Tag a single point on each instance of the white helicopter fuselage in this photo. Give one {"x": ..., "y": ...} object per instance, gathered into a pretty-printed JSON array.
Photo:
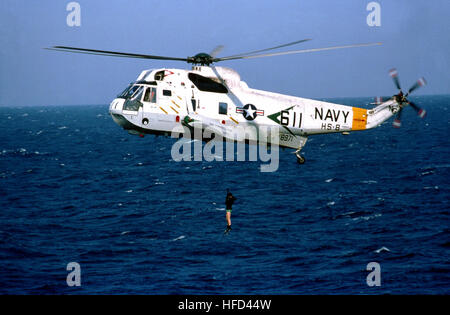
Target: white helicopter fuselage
[{"x": 162, "y": 100}]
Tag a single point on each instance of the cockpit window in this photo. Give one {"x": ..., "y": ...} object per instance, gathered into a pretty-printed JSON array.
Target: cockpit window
[
  {"x": 128, "y": 91},
  {"x": 137, "y": 93},
  {"x": 133, "y": 103},
  {"x": 206, "y": 84}
]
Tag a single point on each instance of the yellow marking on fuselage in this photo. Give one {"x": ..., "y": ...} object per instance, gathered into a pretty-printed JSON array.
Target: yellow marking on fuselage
[
  {"x": 234, "y": 120},
  {"x": 173, "y": 109},
  {"x": 163, "y": 110},
  {"x": 359, "y": 118},
  {"x": 175, "y": 104}
]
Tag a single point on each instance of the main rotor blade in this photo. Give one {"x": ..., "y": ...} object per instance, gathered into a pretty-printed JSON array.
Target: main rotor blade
[
  {"x": 111, "y": 53},
  {"x": 267, "y": 49},
  {"x": 419, "y": 83},
  {"x": 394, "y": 74},
  {"x": 294, "y": 52},
  {"x": 216, "y": 51}
]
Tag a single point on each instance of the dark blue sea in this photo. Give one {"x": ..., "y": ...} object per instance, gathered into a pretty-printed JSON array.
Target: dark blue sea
[{"x": 75, "y": 187}]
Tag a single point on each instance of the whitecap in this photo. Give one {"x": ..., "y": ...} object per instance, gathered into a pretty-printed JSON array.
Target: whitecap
[
  {"x": 128, "y": 191},
  {"x": 382, "y": 249},
  {"x": 179, "y": 238},
  {"x": 329, "y": 180},
  {"x": 63, "y": 127},
  {"x": 39, "y": 132},
  {"x": 369, "y": 182},
  {"x": 331, "y": 203},
  {"x": 367, "y": 218},
  {"x": 125, "y": 232}
]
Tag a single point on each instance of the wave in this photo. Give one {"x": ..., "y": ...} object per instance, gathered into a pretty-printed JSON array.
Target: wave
[{"x": 22, "y": 152}]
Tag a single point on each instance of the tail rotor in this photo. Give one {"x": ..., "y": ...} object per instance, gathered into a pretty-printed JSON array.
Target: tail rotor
[{"x": 402, "y": 100}]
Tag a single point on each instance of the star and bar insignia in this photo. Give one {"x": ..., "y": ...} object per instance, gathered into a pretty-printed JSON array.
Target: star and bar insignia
[{"x": 249, "y": 111}]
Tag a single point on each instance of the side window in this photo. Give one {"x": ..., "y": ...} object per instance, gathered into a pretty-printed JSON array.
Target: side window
[
  {"x": 194, "y": 104},
  {"x": 167, "y": 92},
  {"x": 153, "y": 95},
  {"x": 150, "y": 95},
  {"x": 147, "y": 95},
  {"x": 159, "y": 76},
  {"x": 223, "y": 108}
]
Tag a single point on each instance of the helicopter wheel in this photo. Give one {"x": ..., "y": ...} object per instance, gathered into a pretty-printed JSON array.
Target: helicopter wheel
[{"x": 300, "y": 159}]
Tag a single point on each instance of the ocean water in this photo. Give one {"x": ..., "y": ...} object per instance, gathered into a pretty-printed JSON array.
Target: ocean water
[{"x": 75, "y": 187}]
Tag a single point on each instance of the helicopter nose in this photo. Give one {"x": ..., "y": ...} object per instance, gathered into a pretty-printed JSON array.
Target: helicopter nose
[
  {"x": 115, "y": 110},
  {"x": 116, "y": 106}
]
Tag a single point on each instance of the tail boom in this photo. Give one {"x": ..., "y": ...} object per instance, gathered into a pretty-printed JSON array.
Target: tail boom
[{"x": 376, "y": 116}]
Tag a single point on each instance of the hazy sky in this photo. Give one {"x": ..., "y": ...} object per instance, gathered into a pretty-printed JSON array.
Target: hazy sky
[{"x": 415, "y": 36}]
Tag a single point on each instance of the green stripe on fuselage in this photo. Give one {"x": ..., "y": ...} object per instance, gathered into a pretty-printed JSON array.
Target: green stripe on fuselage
[{"x": 275, "y": 116}]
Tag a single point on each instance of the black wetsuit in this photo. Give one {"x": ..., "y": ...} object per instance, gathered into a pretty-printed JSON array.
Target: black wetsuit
[{"x": 229, "y": 201}]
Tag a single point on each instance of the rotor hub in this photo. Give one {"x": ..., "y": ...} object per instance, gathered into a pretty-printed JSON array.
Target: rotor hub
[{"x": 202, "y": 59}]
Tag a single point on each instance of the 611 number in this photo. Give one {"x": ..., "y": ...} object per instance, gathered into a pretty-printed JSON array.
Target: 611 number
[{"x": 284, "y": 119}]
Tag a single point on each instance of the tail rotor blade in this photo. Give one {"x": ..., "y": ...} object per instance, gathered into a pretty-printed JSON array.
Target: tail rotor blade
[
  {"x": 378, "y": 100},
  {"x": 421, "y": 112},
  {"x": 381, "y": 99},
  {"x": 394, "y": 75},
  {"x": 419, "y": 83},
  {"x": 397, "y": 122}
]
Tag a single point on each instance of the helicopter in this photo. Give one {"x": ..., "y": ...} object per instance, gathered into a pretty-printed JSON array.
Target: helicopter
[{"x": 209, "y": 96}]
